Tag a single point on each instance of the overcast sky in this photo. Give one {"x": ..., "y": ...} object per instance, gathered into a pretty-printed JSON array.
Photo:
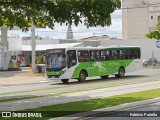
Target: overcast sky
[{"x": 59, "y": 32}]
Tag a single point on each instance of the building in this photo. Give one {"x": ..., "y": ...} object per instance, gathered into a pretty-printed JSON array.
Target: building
[
  {"x": 22, "y": 46},
  {"x": 95, "y": 41},
  {"x": 138, "y": 17}
]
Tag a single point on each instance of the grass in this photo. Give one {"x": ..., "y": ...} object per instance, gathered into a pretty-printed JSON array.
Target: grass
[{"x": 88, "y": 105}]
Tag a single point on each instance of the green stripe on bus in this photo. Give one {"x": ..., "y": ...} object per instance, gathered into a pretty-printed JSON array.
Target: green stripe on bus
[{"x": 101, "y": 68}]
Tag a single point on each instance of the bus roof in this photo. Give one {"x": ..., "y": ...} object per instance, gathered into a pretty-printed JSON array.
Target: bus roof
[
  {"x": 97, "y": 48},
  {"x": 100, "y": 47}
]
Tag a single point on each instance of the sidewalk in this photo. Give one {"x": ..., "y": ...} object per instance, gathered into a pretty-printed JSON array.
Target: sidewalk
[{"x": 8, "y": 78}]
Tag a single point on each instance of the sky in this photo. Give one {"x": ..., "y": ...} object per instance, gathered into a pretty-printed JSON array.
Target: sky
[{"x": 79, "y": 32}]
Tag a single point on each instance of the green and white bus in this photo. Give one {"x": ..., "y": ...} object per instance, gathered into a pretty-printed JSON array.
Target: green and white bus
[{"x": 81, "y": 62}]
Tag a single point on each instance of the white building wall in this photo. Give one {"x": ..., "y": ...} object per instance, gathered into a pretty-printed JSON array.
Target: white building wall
[
  {"x": 154, "y": 11},
  {"x": 136, "y": 17},
  {"x": 14, "y": 44},
  {"x": 41, "y": 41}
]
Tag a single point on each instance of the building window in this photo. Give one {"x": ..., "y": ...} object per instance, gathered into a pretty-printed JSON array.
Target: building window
[
  {"x": 158, "y": 17},
  {"x": 151, "y": 17}
]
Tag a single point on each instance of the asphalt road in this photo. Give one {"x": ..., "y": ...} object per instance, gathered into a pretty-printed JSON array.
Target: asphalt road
[
  {"x": 90, "y": 89},
  {"x": 74, "y": 91},
  {"x": 40, "y": 82},
  {"x": 148, "y": 112}
]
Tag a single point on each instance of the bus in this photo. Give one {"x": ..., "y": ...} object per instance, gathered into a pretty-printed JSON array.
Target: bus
[{"x": 81, "y": 62}]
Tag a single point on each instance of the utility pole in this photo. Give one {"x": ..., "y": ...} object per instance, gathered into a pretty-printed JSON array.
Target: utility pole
[
  {"x": 33, "y": 47},
  {"x": 4, "y": 38}
]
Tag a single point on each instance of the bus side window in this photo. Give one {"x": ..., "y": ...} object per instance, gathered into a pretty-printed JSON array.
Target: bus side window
[
  {"x": 123, "y": 54},
  {"x": 132, "y": 55},
  {"x": 114, "y": 55},
  {"x": 107, "y": 56},
  {"x": 104, "y": 55},
  {"x": 94, "y": 55},
  {"x": 83, "y": 56}
]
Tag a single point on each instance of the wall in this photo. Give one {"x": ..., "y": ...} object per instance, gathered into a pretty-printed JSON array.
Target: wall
[
  {"x": 14, "y": 44},
  {"x": 135, "y": 14},
  {"x": 136, "y": 17}
]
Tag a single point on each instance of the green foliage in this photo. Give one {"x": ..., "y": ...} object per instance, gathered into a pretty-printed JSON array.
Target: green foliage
[
  {"x": 40, "y": 60},
  {"x": 154, "y": 34},
  {"x": 48, "y": 12}
]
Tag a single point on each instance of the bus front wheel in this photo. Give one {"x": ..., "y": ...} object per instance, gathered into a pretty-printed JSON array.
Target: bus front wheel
[
  {"x": 82, "y": 76},
  {"x": 49, "y": 76},
  {"x": 121, "y": 73},
  {"x": 65, "y": 81}
]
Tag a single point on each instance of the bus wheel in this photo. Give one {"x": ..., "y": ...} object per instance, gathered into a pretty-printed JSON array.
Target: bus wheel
[
  {"x": 65, "y": 81},
  {"x": 104, "y": 77},
  {"x": 121, "y": 73},
  {"x": 49, "y": 76},
  {"x": 82, "y": 76}
]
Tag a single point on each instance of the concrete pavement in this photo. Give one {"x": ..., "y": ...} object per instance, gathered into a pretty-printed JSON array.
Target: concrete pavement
[{"x": 9, "y": 78}]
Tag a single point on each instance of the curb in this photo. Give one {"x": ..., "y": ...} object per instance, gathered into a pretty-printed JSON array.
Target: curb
[
  {"x": 30, "y": 74},
  {"x": 91, "y": 114}
]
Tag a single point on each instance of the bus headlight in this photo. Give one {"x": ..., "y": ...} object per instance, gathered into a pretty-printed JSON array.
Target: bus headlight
[{"x": 63, "y": 72}]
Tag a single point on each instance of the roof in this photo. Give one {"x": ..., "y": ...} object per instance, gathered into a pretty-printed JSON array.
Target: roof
[
  {"x": 101, "y": 47},
  {"x": 49, "y": 46}
]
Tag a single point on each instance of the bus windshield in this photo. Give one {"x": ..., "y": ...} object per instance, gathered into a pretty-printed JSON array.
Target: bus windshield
[{"x": 56, "y": 61}]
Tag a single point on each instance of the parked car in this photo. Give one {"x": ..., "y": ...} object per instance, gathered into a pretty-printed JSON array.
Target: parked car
[{"x": 150, "y": 61}]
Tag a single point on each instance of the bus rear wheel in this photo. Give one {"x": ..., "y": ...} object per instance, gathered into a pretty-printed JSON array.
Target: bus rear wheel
[
  {"x": 104, "y": 77},
  {"x": 82, "y": 76},
  {"x": 121, "y": 73},
  {"x": 65, "y": 81}
]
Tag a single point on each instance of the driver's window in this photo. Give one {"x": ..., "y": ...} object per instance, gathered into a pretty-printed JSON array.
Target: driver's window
[{"x": 71, "y": 58}]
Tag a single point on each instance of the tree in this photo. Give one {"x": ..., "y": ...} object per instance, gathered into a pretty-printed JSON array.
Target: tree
[
  {"x": 48, "y": 12},
  {"x": 154, "y": 34}
]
